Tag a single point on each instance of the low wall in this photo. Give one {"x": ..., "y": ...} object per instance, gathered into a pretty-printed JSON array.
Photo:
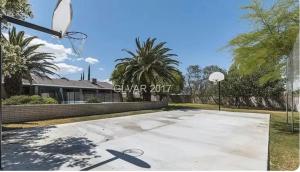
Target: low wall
[
  {"x": 180, "y": 99},
  {"x": 276, "y": 103},
  {"x": 25, "y": 113}
]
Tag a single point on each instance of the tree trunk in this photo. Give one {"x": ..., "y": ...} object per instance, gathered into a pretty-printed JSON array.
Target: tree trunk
[
  {"x": 121, "y": 97},
  {"x": 147, "y": 94},
  {"x": 129, "y": 96},
  {"x": 237, "y": 102},
  {"x": 13, "y": 85}
]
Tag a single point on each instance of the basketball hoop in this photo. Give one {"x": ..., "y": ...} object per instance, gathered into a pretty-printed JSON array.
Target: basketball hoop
[
  {"x": 61, "y": 20},
  {"x": 77, "y": 41},
  {"x": 217, "y": 77}
]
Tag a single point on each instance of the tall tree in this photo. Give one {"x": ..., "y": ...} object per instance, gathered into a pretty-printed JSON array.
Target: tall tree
[
  {"x": 193, "y": 79},
  {"x": 209, "y": 90},
  {"x": 89, "y": 73},
  {"x": 198, "y": 85},
  {"x": 21, "y": 59},
  {"x": 83, "y": 76},
  {"x": 16, "y": 8},
  {"x": 178, "y": 85},
  {"x": 118, "y": 80},
  {"x": 270, "y": 43},
  {"x": 240, "y": 89},
  {"x": 151, "y": 64}
]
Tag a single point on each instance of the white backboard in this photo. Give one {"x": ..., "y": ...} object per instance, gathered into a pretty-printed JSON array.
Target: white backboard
[
  {"x": 216, "y": 77},
  {"x": 62, "y": 16}
]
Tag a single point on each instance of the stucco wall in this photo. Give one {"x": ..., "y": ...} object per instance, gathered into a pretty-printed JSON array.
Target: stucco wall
[{"x": 25, "y": 113}]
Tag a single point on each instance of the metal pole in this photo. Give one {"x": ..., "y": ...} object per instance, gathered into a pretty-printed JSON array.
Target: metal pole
[
  {"x": 28, "y": 25},
  {"x": 32, "y": 26},
  {"x": 287, "y": 92},
  {"x": 287, "y": 107},
  {"x": 0, "y": 93},
  {"x": 219, "y": 84},
  {"x": 292, "y": 92},
  {"x": 74, "y": 96},
  {"x": 292, "y": 120}
]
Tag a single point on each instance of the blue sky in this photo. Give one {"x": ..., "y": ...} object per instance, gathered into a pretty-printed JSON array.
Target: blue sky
[{"x": 196, "y": 30}]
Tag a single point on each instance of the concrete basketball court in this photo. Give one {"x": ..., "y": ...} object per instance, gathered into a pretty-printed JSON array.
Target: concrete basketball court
[{"x": 169, "y": 140}]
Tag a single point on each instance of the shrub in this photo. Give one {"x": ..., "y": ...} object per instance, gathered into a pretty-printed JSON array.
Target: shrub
[
  {"x": 23, "y": 99},
  {"x": 49, "y": 100},
  {"x": 16, "y": 100},
  {"x": 36, "y": 100},
  {"x": 94, "y": 100}
]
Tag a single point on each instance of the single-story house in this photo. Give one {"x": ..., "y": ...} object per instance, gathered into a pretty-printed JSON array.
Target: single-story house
[{"x": 70, "y": 91}]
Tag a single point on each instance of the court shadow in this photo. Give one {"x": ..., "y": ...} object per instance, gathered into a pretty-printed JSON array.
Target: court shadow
[
  {"x": 179, "y": 108},
  {"x": 20, "y": 151},
  {"x": 120, "y": 155}
]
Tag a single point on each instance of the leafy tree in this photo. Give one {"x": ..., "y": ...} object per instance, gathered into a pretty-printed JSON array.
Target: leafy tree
[
  {"x": 209, "y": 89},
  {"x": 241, "y": 88},
  {"x": 237, "y": 89},
  {"x": 178, "y": 85},
  {"x": 198, "y": 85},
  {"x": 211, "y": 69},
  {"x": 150, "y": 64},
  {"x": 21, "y": 59},
  {"x": 117, "y": 75},
  {"x": 270, "y": 43},
  {"x": 193, "y": 79},
  {"x": 16, "y": 8},
  {"x": 118, "y": 80}
]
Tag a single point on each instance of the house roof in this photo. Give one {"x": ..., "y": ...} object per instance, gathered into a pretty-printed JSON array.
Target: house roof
[
  {"x": 105, "y": 85},
  {"x": 66, "y": 83}
]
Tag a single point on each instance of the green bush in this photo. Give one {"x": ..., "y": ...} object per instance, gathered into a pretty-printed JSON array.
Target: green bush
[
  {"x": 23, "y": 99},
  {"x": 36, "y": 100},
  {"x": 49, "y": 100},
  {"x": 94, "y": 100},
  {"x": 16, "y": 100}
]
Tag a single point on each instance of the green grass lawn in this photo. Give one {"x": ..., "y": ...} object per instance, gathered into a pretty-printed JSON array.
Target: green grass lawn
[{"x": 284, "y": 145}]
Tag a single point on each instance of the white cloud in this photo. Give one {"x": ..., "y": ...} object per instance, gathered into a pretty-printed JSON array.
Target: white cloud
[
  {"x": 107, "y": 80},
  {"x": 101, "y": 68},
  {"x": 60, "y": 52},
  {"x": 68, "y": 69},
  {"x": 91, "y": 60}
]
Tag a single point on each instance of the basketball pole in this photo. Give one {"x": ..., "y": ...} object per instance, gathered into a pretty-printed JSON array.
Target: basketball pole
[
  {"x": 1, "y": 94},
  {"x": 219, "y": 85},
  {"x": 27, "y": 25}
]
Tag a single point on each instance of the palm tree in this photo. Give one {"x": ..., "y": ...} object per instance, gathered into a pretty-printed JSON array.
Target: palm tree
[
  {"x": 151, "y": 64},
  {"x": 21, "y": 60},
  {"x": 118, "y": 80}
]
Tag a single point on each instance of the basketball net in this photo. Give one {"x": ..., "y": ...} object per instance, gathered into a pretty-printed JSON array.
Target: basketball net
[{"x": 77, "y": 41}]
